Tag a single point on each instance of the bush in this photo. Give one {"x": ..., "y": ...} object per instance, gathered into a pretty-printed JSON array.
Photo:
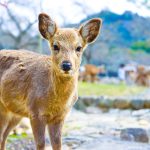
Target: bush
[{"x": 141, "y": 45}]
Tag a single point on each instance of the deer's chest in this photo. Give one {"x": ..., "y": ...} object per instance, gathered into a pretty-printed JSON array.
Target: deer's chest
[
  {"x": 56, "y": 109},
  {"x": 57, "y": 105}
]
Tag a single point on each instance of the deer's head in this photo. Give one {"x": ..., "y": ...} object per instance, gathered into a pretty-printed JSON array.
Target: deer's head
[{"x": 68, "y": 44}]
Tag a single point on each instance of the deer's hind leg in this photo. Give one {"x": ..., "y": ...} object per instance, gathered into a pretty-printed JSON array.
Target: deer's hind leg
[
  {"x": 7, "y": 122},
  {"x": 4, "y": 118},
  {"x": 11, "y": 125}
]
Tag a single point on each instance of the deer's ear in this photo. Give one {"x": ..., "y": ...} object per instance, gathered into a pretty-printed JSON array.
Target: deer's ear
[
  {"x": 90, "y": 30},
  {"x": 47, "y": 26}
]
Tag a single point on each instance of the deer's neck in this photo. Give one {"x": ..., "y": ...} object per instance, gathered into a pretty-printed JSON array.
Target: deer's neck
[{"x": 64, "y": 86}]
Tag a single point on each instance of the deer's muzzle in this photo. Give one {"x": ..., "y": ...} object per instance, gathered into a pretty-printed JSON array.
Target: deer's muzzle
[{"x": 66, "y": 66}]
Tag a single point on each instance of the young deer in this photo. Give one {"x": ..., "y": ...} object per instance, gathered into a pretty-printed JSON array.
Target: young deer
[{"x": 41, "y": 87}]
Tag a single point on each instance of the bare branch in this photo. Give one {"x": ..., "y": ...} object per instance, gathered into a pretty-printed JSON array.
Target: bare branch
[
  {"x": 9, "y": 34},
  {"x": 23, "y": 38},
  {"x": 28, "y": 27},
  {"x": 5, "y": 4},
  {"x": 13, "y": 18}
]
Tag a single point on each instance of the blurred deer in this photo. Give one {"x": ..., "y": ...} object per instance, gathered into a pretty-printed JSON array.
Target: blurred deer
[
  {"x": 90, "y": 73},
  {"x": 143, "y": 76},
  {"x": 41, "y": 87},
  {"x": 139, "y": 76}
]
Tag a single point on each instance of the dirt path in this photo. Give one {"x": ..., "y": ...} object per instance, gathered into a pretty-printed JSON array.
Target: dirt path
[{"x": 96, "y": 131}]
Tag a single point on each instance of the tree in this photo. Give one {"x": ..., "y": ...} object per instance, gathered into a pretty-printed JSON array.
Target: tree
[
  {"x": 15, "y": 28},
  {"x": 141, "y": 45}
]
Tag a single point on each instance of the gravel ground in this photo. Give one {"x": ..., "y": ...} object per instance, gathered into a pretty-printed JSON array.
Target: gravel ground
[{"x": 96, "y": 130}]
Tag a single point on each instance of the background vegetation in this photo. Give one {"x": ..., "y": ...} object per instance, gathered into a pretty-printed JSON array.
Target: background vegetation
[{"x": 90, "y": 89}]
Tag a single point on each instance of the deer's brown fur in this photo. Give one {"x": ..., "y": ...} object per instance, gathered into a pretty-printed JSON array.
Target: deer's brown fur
[
  {"x": 90, "y": 73},
  {"x": 35, "y": 86},
  {"x": 143, "y": 76}
]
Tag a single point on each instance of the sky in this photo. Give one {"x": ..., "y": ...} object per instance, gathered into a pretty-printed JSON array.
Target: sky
[
  {"x": 75, "y": 10},
  {"x": 70, "y": 11},
  {"x": 74, "y": 13}
]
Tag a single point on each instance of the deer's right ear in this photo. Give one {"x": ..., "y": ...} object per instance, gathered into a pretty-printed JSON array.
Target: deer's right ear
[{"x": 47, "y": 26}]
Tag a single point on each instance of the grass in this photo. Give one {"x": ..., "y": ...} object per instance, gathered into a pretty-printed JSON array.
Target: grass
[
  {"x": 13, "y": 137},
  {"x": 88, "y": 89}
]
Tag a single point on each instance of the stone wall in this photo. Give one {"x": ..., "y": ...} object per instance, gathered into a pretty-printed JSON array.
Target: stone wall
[{"x": 105, "y": 102}]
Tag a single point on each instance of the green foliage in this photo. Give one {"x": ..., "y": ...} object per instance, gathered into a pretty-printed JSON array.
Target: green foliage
[
  {"x": 107, "y": 89},
  {"x": 14, "y": 137},
  {"x": 141, "y": 45}
]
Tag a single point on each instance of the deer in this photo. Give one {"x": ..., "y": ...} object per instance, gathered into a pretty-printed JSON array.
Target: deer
[
  {"x": 142, "y": 77},
  {"x": 43, "y": 87},
  {"x": 90, "y": 73}
]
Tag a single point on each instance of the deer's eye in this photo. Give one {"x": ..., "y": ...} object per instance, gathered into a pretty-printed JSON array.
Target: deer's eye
[
  {"x": 55, "y": 47},
  {"x": 78, "y": 49}
]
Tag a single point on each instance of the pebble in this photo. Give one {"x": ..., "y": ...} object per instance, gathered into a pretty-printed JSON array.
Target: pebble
[{"x": 134, "y": 134}]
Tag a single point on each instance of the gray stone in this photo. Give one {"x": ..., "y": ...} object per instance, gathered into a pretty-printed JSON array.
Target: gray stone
[
  {"x": 105, "y": 103},
  {"x": 137, "y": 104},
  {"x": 79, "y": 105},
  {"x": 147, "y": 104},
  {"x": 129, "y": 102},
  {"x": 134, "y": 134},
  {"x": 88, "y": 101},
  {"x": 122, "y": 104}
]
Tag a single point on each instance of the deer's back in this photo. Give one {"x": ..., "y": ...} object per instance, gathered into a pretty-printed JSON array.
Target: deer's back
[{"x": 22, "y": 74}]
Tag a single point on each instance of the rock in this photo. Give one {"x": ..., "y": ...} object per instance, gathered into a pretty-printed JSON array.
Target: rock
[
  {"x": 137, "y": 104},
  {"x": 128, "y": 102},
  {"x": 147, "y": 104},
  {"x": 105, "y": 103},
  {"x": 88, "y": 101},
  {"x": 122, "y": 104},
  {"x": 80, "y": 105},
  {"x": 134, "y": 134}
]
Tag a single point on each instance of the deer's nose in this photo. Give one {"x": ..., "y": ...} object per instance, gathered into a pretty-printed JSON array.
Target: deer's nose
[{"x": 66, "y": 66}]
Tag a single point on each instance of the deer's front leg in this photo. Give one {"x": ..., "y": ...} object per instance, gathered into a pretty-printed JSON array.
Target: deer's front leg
[
  {"x": 55, "y": 132},
  {"x": 38, "y": 128}
]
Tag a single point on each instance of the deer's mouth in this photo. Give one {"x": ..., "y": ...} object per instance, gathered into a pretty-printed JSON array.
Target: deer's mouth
[{"x": 67, "y": 73}]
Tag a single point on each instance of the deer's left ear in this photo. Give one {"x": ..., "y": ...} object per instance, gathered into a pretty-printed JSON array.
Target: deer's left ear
[{"x": 90, "y": 30}]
